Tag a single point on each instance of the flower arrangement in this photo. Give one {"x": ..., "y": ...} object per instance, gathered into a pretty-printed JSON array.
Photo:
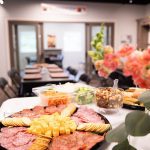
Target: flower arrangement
[{"x": 133, "y": 62}]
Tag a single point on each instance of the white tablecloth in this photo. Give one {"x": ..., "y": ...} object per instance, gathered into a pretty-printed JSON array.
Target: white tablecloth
[{"x": 17, "y": 104}]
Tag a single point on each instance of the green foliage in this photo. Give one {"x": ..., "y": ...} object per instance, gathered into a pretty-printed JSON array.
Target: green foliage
[
  {"x": 124, "y": 146},
  {"x": 137, "y": 123},
  {"x": 119, "y": 134},
  {"x": 145, "y": 98},
  {"x": 97, "y": 44}
]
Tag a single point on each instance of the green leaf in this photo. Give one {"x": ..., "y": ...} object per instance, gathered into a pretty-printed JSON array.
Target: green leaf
[
  {"x": 118, "y": 134},
  {"x": 137, "y": 123},
  {"x": 145, "y": 98},
  {"x": 124, "y": 146}
]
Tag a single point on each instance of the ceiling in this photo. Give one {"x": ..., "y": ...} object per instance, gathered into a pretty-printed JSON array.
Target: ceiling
[{"x": 139, "y": 2}]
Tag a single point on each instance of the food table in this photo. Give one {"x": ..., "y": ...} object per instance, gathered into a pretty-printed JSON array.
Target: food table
[
  {"x": 17, "y": 104},
  {"x": 34, "y": 77}
]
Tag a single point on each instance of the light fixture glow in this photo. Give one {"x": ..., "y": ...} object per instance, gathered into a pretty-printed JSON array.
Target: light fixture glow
[
  {"x": 1, "y": 2},
  {"x": 130, "y": 1}
]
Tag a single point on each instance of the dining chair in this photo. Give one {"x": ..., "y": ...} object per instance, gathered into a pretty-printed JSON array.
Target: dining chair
[
  {"x": 6, "y": 88},
  {"x": 72, "y": 71},
  {"x": 85, "y": 78},
  {"x": 3, "y": 96},
  {"x": 15, "y": 77}
]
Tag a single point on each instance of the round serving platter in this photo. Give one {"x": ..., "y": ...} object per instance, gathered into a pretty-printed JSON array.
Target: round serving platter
[
  {"x": 95, "y": 147},
  {"x": 134, "y": 107}
]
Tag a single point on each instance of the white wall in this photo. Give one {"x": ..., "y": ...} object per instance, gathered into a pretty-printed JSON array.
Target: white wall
[
  {"x": 124, "y": 17},
  {"x": 4, "y": 55}
]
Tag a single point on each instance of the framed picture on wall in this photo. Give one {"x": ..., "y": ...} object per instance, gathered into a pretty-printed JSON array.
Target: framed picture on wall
[{"x": 51, "y": 41}]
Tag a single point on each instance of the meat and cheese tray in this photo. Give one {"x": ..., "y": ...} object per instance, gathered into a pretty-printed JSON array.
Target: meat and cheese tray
[{"x": 55, "y": 127}]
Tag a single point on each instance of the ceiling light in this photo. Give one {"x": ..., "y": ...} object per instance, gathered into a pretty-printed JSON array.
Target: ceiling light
[
  {"x": 1, "y": 2},
  {"x": 130, "y": 1}
]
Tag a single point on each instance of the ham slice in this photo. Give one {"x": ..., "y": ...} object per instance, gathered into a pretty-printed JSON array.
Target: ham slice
[
  {"x": 15, "y": 138},
  {"x": 37, "y": 111},
  {"x": 86, "y": 115}
]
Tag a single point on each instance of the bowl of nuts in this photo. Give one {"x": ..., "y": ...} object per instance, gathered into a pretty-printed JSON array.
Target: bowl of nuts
[{"x": 109, "y": 98}]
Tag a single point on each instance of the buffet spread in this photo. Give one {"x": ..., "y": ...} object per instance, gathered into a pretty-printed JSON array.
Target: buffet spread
[{"x": 64, "y": 122}]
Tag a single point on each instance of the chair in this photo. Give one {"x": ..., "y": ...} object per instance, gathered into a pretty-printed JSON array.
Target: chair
[
  {"x": 31, "y": 60},
  {"x": 6, "y": 88},
  {"x": 3, "y": 97},
  {"x": 85, "y": 78},
  {"x": 16, "y": 80},
  {"x": 15, "y": 77},
  {"x": 72, "y": 71},
  {"x": 55, "y": 59}
]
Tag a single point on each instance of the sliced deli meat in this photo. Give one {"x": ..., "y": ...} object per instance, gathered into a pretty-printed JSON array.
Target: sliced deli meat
[
  {"x": 37, "y": 111},
  {"x": 22, "y": 138},
  {"x": 75, "y": 141},
  {"x": 16, "y": 138},
  {"x": 9, "y": 132},
  {"x": 86, "y": 115}
]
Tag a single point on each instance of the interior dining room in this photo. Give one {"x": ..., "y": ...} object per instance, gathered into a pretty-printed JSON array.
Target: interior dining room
[{"x": 74, "y": 74}]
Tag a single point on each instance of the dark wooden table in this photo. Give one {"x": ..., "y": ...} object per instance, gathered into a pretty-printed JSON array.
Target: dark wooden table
[{"x": 27, "y": 85}]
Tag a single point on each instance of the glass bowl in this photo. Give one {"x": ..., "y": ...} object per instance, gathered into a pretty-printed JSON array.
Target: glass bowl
[{"x": 109, "y": 98}]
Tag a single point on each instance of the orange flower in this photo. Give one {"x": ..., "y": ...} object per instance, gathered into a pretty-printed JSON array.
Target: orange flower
[
  {"x": 125, "y": 51},
  {"x": 111, "y": 61},
  {"x": 98, "y": 64},
  {"x": 108, "y": 50},
  {"x": 104, "y": 72}
]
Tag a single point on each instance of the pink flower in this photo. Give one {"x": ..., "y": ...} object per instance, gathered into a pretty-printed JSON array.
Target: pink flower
[
  {"x": 146, "y": 55},
  {"x": 125, "y": 51},
  {"x": 111, "y": 61},
  {"x": 104, "y": 72}
]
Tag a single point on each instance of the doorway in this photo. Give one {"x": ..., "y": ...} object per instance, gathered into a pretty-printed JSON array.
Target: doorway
[{"x": 25, "y": 43}]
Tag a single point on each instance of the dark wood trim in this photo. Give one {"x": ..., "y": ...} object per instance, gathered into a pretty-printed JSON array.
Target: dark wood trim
[
  {"x": 37, "y": 40},
  {"x": 17, "y": 47},
  {"x": 11, "y": 47},
  {"x": 23, "y": 22},
  {"x": 10, "y": 44},
  {"x": 113, "y": 35},
  {"x": 86, "y": 41},
  {"x": 142, "y": 33},
  {"x": 43, "y": 21},
  {"x": 42, "y": 36}
]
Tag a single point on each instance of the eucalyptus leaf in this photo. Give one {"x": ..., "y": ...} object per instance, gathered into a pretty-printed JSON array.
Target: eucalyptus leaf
[
  {"x": 118, "y": 134},
  {"x": 137, "y": 123},
  {"x": 145, "y": 98},
  {"x": 124, "y": 146}
]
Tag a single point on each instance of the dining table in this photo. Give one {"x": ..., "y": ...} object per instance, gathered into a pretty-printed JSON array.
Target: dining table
[
  {"x": 13, "y": 105},
  {"x": 33, "y": 76}
]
